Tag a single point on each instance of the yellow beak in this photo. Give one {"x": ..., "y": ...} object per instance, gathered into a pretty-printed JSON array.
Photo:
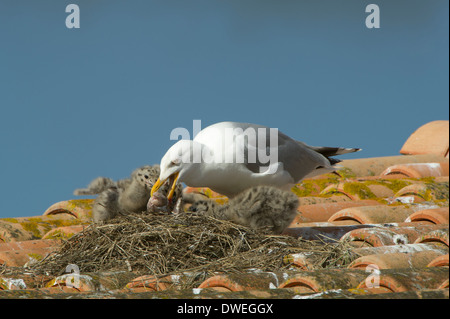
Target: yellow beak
[{"x": 172, "y": 178}]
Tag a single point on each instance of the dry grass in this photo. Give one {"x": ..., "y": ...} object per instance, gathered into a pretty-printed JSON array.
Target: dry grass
[{"x": 172, "y": 244}]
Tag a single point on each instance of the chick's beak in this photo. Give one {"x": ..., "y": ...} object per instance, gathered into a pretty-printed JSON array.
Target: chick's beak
[{"x": 172, "y": 180}]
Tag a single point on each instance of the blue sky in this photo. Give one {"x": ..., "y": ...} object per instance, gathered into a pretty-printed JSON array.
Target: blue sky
[{"x": 102, "y": 100}]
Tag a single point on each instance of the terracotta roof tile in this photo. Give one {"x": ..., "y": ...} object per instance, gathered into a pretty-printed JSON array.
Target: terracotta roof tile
[
  {"x": 28, "y": 228},
  {"x": 390, "y": 213},
  {"x": 405, "y": 279},
  {"x": 71, "y": 283},
  {"x": 245, "y": 281},
  {"x": 63, "y": 232},
  {"x": 419, "y": 259},
  {"x": 89, "y": 282},
  {"x": 418, "y": 170},
  {"x": 404, "y": 248},
  {"x": 157, "y": 283},
  {"x": 433, "y": 216},
  {"x": 439, "y": 235},
  {"x": 444, "y": 285},
  {"x": 430, "y": 138},
  {"x": 78, "y": 208},
  {"x": 323, "y": 212},
  {"x": 396, "y": 235},
  {"x": 441, "y": 261},
  {"x": 426, "y": 191},
  {"x": 205, "y": 294},
  {"x": 323, "y": 280},
  {"x": 19, "y": 253},
  {"x": 374, "y": 166},
  {"x": 374, "y": 214}
]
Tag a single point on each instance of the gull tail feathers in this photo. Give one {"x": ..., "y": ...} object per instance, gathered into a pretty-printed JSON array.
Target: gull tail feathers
[{"x": 333, "y": 151}]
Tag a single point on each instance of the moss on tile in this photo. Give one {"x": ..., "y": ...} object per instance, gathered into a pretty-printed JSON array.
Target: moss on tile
[
  {"x": 304, "y": 189},
  {"x": 64, "y": 222},
  {"x": 82, "y": 203},
  {"x": 32, "y": 226},
  {"x": 10, "y": 220},
  {"x": 11, "y": 233},
  {"x": 39, "y": 226},
  {"x": 58, "y": 234},
  {"x": 427, "y": 180},
  {"x": 359, "y": 189},
  {"x": 35, "y": 256},
  {"x": 346, "y": 172},
  {"x": 393, "y": 184},
  {"x": 313, "y": 187},
  {"x": 435, "y": 191}
]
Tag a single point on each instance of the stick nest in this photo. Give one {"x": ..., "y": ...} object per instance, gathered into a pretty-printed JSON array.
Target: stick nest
[{"x": 187, "y": 242}]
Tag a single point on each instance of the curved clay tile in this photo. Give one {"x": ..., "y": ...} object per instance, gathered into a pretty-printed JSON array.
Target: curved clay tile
[
  {"x": 434, "y": 216},
  {"x": 430, "y": 138},
  {"x": 80, "y": 208},
  {"x": 418, "y": 170}
]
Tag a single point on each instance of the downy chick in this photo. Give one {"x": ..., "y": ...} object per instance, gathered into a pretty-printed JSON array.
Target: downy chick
[
  {"x": 259, "y": 207},
  {"x": 128, "y": 195}
]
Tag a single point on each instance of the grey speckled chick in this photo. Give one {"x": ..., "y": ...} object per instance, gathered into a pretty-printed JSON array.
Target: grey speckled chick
[
  {"x": 257, "y": 207},
  {"x": 124, "y": 196},
  {"x": 97, "y": 186},
  {"x": 135, "y": 196}
]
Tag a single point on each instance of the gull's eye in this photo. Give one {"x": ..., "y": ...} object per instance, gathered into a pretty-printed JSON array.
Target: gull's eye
[{"x": 174, "y": 162}]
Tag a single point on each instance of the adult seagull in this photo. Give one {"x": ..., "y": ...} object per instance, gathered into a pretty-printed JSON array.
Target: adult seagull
[{"x": 229, "y": 157}]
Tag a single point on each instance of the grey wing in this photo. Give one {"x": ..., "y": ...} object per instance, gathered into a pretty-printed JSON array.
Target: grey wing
[{"x": 298, "y": 159}]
